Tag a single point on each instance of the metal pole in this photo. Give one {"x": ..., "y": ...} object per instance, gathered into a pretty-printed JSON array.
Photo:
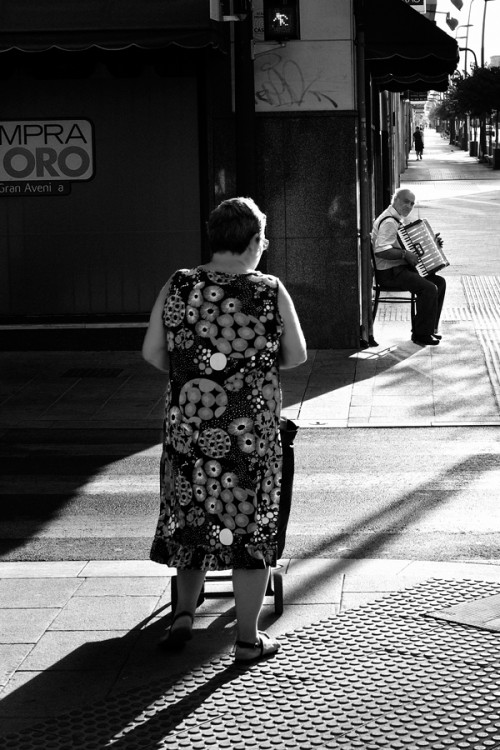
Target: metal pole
[
  {"x": 482, "y": 34},
  {"x": 467, "y": 37},
  {"x": 244, "y": 97},
  {"x": 469, "y": 49},
  {"x": 365, "y": 269}
]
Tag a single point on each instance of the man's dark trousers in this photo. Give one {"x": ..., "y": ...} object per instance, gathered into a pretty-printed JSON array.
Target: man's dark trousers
[{"x": 430, "y": 291}]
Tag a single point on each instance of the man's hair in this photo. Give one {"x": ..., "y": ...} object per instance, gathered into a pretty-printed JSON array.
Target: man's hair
[
  {"x": 233, "y": 223},
  {"x": 398, "y": 192}
]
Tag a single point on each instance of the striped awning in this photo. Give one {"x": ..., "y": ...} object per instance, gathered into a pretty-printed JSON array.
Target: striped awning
[
  {"x": 403, "y": 49},
  {"x": 78, "y": 25}
]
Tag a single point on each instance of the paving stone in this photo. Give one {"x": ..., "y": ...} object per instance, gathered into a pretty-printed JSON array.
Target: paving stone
[
  {"x": 80, "y": 650},
  {"x": 25, "y": 625},
  {"x": 37, "y": 592},
  {"x": 122, "y": 586},
  {"x": 305, "y": 589},
  {"x": 125, "y": 568},
  {"x": 11, "y": 656},
  {"x": 59, "y": 569},
  {"x": 103, "y": 613}
]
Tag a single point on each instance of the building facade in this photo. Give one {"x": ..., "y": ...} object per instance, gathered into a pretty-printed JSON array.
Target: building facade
[{"x": 122, "y": 127}]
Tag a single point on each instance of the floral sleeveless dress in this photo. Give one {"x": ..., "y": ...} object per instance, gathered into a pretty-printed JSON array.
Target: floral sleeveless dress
[{"x": 222, "y": 458}]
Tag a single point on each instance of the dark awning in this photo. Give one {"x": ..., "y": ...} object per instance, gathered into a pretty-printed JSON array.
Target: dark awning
[
  {"x": 403, "y": 49},
  {"x": 75, "y": 25}
]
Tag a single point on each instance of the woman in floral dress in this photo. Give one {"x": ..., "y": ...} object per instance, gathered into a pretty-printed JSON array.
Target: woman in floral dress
[{"x": 222, "y": 331}]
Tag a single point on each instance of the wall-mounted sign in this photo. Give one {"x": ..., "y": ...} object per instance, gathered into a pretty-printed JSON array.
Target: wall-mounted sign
[
  {"x": 40, "y": 156},
  {"x": 419, "y": 5},
  {"x": 16, "y": 189},
  {"x": 258, "y": 25},
  {"x": 281, "y": 20}
]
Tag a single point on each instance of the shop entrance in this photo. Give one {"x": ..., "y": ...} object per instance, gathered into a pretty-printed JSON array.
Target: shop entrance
[{"x": 104, "y": 246}]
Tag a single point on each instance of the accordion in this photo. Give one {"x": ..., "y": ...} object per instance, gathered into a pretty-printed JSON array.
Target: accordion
[{"x": 418, "y": 238}]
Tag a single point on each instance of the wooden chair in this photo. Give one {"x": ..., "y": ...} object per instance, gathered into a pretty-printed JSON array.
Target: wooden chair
[{"x": 391, "y": 295}]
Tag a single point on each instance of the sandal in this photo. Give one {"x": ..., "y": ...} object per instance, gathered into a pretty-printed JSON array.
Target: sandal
[
  {"x": 249, "y": 652},
  {"x": 177, "y": 638}
]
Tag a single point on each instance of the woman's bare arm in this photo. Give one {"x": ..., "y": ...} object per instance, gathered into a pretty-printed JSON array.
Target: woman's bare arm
[
  {"x": 154, "y": 349},
  {"x": 293, "y": 350}
]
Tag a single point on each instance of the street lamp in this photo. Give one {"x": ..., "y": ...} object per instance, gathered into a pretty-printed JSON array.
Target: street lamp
[
  {"x": 468, "y": 49},
  {"x": 482, "y": 35}
]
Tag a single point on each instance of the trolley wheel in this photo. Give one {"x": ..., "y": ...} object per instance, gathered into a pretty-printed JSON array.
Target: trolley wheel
[{"x": 278, "y": 593}]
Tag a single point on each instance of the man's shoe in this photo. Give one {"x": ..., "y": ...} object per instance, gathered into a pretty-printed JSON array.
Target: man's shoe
[
  {"x": 425, "y": 340},
  {"x": 437, "y": 336}
]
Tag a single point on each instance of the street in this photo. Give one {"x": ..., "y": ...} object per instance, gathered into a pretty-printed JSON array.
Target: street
[{"x": 358, "y": 492}]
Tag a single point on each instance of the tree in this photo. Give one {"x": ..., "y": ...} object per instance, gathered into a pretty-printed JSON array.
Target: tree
[
  {"x": 478, "y": 95},
  {"x": 447, "y": 109}
]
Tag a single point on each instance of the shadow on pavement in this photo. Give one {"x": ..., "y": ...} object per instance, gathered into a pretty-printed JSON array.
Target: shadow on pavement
[
  {"x": 98, "y": 690},
  {"x": 44, "y": 469}
]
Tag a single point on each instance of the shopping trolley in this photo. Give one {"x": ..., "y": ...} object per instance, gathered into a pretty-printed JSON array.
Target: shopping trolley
[{"x": 218, "y": 583}]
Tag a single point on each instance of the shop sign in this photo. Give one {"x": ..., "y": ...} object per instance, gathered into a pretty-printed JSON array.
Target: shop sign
[
  {"x": 258, "y": 25},
  {"x": 40, "y": 187},
  {"x": 40, "y": 156}
]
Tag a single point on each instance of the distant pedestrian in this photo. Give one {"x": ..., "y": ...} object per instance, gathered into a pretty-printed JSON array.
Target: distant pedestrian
[
  {"x": 418, "y": 140},
  {"x": 223, "y": 331}
]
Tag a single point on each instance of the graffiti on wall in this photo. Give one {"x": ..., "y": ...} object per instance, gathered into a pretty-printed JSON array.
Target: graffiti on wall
[{"x": 282, "y": 83}]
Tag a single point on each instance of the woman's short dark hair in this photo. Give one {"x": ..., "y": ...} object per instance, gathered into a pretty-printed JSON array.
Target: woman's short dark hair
[{"x": 233, "y": 223}]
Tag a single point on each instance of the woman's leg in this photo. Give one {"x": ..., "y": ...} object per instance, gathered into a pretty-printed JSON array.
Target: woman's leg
[
  {"x": 189, "y": 583},
  {"x": 249, "y": 590}
]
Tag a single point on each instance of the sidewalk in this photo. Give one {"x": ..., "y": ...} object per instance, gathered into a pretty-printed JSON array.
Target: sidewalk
[{"x": 80, "y": 636}]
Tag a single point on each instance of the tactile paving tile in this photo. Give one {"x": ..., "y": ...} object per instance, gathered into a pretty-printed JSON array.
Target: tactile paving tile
[
  {"x": 483, "y": 297},
  {"x": 385, "y": 675},
  {"x": 396, "y": 312}
]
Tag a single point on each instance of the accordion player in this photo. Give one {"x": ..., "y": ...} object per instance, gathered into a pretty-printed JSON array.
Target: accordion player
[{"x": 419, "y": 238}]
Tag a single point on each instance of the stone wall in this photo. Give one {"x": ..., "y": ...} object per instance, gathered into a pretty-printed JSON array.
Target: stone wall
[{"x": 307, "y": 187}]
